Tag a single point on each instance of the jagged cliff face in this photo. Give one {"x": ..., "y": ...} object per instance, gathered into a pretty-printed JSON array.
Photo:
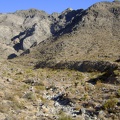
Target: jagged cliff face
[
  {"x": 22, "y": 29},
  {"x": 71, "y": 35}
]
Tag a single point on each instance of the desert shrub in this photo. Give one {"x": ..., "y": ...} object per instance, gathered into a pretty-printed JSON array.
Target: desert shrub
[
  {"x": 30, "y": 96},
  {"x": 63, "y": 116},
  {"x": 85, "y": 97},
  {"x": 76, "y": 84},
  {"x": 110, "y": 104},
  {"x": 118, "y": 93},
  {"x": 117, "y": 72},
  {"x": 17, "y": 105}
]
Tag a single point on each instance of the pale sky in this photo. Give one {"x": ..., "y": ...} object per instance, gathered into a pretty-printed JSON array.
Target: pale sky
[{"x": 49, "y": 6}]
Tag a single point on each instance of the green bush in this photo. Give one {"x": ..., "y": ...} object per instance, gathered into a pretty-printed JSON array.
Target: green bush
[{"x": 110, "y": 104}]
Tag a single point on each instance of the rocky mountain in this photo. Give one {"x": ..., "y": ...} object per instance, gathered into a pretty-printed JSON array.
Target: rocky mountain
[
  {"x": 66, "y": 65},
  {"x": 92, "y": 35},
  {"x": 23, "y": 29},
  {"x": 76, "y": 34}
]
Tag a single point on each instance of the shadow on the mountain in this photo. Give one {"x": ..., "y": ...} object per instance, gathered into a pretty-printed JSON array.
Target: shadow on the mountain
[
  {"x": 25, "y": 52},
  {"x": 17, "y": 46},
  {"x": 82, "y": 66},
  {"x": 118, "y": 60},
  {"x": 22, "y": 36},
  {"x": 11, "y": 56},
  {"x": 71, "y": 22},
  {"x": 62, "y": 100},
  {"x": 107, "y": 77}
]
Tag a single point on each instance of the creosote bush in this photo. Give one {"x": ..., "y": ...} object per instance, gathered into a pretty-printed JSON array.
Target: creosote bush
[{"x": 110, "y": 104}]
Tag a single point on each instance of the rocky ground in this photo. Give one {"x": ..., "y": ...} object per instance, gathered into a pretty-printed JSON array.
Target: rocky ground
[{"x": 62, "y": 94}]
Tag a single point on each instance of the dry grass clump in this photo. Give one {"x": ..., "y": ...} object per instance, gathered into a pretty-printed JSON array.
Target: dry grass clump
[
  {"x": 30, "y": 96},
  {"x": 63, "y": 116}
]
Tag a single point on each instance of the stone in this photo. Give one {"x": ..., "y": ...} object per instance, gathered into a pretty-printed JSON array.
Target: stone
[
  {"x": 83, "y": 110},
  {"x": 101, "y": 114},
  {"x": 2, "y": 116}
]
